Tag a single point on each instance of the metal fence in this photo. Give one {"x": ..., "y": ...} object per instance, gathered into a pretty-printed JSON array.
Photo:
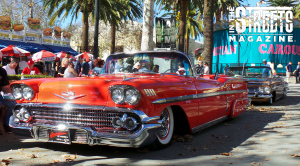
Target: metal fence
[{"x": 221, "y": 66}]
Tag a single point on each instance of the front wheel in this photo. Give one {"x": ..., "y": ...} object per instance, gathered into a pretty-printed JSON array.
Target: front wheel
[{"x": 164, "y": 136}]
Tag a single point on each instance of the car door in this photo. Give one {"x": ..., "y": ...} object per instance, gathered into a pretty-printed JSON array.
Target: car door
[{"x": 212, "y": 105}]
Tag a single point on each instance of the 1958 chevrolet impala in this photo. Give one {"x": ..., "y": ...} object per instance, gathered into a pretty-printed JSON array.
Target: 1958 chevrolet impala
[{"x": 139, "y": 99}]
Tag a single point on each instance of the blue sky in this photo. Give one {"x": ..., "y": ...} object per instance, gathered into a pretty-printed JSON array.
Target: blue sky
[{"x": 67, "y": 21}]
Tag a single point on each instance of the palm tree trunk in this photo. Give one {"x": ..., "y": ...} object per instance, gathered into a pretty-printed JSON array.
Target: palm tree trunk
[
  {"x": 208, "y": 32},
  {"x": 183, "y": 11},
  {"x": 218, "y": 15},
  {"x": 187, "y": 42},
  {"x": 85, "y": 31},
  {"x": 147, "y": 36},
  {"x": 113, "y": 37}
]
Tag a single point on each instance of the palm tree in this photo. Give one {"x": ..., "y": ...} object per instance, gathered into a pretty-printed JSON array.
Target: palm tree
[
  {"x": 208, "y": 31},
  {"x": 194, "y": 25},
  {"x": 124, "y": 10},
  {"x": 278, "y": 3},
  {"x": 147, "y": 36},
  {"x": 286, "y": 3},
  {"x": 108, "y": 11},
  {"x": 73, "y": 8},
  {"x": 221, "y": 7},
  {"x": 183, "y": 7}
]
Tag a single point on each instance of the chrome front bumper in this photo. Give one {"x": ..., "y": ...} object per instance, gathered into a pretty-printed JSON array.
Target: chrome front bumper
[
  {"x": 146, "y": 134},
  {"x": 259, "y": 97}
]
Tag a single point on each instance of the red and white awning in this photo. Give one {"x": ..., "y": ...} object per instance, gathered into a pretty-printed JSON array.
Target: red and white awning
[
  {"x": 62, "y": 54},
  {"x": 12, "y": 50},
  {"x": 86, "y": 55},
  {"x": 44, "y": 56}
]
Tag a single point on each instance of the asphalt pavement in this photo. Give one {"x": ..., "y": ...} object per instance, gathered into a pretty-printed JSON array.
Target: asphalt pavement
[{"x": 263, "y": 135}]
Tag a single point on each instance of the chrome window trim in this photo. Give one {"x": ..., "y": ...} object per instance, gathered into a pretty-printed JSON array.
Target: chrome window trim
[{"x": 195, "y": 96}]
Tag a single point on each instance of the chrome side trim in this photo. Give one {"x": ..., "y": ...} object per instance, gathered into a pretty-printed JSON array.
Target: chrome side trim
[
  {"x": 196, "y": 96},
  {"x": 208, "y": 124}
]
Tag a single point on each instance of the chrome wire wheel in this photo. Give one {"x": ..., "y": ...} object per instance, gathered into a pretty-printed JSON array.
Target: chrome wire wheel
[{"x": 165, "y": 135}]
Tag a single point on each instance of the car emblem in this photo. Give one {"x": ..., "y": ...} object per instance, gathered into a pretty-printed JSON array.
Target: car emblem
[{"x": 69, "y": 95}]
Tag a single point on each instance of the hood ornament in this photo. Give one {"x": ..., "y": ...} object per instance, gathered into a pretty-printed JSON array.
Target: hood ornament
[{"x": 69, "y": 95}]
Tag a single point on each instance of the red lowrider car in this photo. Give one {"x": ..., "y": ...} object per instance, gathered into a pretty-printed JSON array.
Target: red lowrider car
[{"x": 139, "y": 99}]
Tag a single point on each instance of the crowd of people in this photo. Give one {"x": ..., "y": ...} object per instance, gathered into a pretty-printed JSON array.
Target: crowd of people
[{"x": 68, "y": 67}]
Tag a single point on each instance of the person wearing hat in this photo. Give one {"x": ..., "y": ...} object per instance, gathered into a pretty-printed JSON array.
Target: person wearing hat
[
  {"x": 31, "y": 69},
  {"x": 136, "y": 67}
]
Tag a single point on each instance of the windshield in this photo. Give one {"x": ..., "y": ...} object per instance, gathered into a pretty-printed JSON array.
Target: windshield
[
  {"x": 153, "y": 62},
  {"x": 249, "y": 72}
]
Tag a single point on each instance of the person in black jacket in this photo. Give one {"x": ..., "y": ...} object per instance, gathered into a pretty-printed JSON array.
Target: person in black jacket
[{"x": 296, "y": 72}]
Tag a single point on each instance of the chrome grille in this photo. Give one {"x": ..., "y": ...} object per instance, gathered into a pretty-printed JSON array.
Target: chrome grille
[
  {"x": 253, "y": 89},
  {"x": 100, "y": 119}
]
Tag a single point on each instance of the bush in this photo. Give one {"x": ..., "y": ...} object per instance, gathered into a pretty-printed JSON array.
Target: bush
[{"x": 18, "y": 77}]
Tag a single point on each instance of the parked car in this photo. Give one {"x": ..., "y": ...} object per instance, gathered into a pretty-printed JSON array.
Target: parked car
[
  {"x": 125, "y": 107},
  {"x": 263, "y": 86}
]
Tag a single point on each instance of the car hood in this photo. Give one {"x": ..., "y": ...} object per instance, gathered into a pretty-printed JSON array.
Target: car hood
[
  {"x": 252, "y": 82},
  {"x": 94, "y": 90},
  {"x": 257, "y": 79},
  {"x": 87, "y": 91}
]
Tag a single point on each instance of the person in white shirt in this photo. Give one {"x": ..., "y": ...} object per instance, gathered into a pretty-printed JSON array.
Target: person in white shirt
[
  {"x": 206, "y": 69},
  {"x": 22, "y": 64},
  {"x": 91, "y": 63},
  {"x": 10, "y": 68}
]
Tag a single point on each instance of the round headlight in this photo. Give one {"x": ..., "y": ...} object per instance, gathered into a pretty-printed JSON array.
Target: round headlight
[
  {"x": 261, "y": 89},
  {"x": 117, "y": 95},
  {"x": 28, "y": 93},
  {"x": 267, "y": 89},
  {"x": 17, "y": 92},
  {"x": 132, "y": 96}
]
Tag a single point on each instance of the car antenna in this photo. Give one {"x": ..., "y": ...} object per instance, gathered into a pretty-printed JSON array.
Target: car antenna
[{"x": 243, "y": 69}]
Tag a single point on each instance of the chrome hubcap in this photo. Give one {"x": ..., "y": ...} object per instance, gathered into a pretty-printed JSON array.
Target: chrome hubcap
[{"x": 165, "y": 124}]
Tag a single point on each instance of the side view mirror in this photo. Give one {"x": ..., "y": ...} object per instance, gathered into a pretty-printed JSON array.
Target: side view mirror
[
  {"x": 216, "y": 75},
  {"x": 199, "y": 71}
]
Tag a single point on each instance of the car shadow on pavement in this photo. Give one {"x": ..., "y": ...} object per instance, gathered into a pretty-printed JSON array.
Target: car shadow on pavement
[{"x": 221, "y": 138}]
